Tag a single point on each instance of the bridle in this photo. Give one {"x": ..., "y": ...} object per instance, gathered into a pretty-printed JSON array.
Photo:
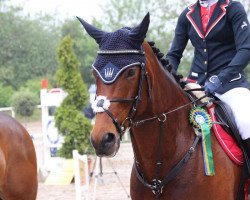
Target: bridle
[
  {"x": 155, "y": 185},
  {"x": 120, "y": 127}
]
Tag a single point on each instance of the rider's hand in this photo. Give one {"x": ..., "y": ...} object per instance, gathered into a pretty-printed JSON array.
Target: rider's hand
[{"x": 212, "y": 85}]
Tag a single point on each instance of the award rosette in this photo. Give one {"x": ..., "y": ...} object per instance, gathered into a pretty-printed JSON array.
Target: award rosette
[{"x": 201, "y": 120}]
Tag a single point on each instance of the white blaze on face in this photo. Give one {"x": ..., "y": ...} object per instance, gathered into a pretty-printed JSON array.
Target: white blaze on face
[{"x": 100, "y": 103}]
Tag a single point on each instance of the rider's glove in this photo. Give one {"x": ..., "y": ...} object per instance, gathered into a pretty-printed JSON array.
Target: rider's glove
[{"x": 212, "y": 85}]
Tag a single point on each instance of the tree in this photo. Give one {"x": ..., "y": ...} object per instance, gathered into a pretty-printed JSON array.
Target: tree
[
  {"x": 69, "y": 118},
  {"x": 24, "y": 103},
  {"x": 5, "y": 95},
  {"x": 27, "y": 47},
  {"x": 33, "y": 86},
  {"x": 84, "y": 47}
]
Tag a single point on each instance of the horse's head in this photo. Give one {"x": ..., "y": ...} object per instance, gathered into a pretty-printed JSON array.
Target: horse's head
[{"x": 119, "y": 72}]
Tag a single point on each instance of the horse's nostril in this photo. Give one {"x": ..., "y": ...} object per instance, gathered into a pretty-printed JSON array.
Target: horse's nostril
[{"x": 108, "y": 140}]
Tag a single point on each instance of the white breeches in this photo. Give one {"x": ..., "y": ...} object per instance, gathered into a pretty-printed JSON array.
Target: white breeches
[{"x": 239, "y": 101}]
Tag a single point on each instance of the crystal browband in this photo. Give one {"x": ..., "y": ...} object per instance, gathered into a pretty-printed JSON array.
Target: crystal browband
[{"x": 121, "y": 52}]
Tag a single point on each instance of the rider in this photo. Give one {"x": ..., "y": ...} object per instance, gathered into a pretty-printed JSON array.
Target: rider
[{"x": 220, "y": 34}]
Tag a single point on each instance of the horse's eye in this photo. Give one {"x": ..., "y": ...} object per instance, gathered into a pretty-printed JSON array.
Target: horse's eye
[{"x": 131, "y": 72}]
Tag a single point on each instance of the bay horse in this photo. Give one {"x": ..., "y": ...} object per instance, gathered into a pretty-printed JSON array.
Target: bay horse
[
  {"x": 18, "y": 165},
  {"x": 135, "y": 91}
]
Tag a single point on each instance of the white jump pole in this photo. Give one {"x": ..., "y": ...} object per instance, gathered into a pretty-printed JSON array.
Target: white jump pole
[
  {"x": 78, "y": 188},
  {"x": 77, "y": 175},
  {"x": 87, "y": 189},
  {"x": 96, "y": 176}
]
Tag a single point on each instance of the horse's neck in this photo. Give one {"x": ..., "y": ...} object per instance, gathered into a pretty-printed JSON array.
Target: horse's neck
[
  {"x": 176, "y": 132},
  {"x": 166, "y": 92}
]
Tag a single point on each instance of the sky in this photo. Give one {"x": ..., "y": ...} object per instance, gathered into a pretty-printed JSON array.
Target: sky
[{"x": 87, "y": 9}]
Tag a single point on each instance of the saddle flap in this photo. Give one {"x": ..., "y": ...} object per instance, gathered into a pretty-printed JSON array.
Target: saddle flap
[{"x": 225, "y": 117}]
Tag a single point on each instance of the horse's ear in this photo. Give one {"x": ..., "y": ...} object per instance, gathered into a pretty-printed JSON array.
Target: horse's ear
[
  {"x": 94, "y": 32},
  {"x": 139, "y": 32}
]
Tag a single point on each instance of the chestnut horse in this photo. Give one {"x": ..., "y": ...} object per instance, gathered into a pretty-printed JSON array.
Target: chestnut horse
[
  {"x": 18, "y": 168},
  {"x": 135, "y": 91}
]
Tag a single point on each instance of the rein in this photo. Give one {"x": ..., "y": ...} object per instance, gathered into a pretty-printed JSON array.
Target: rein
[{"x": 164, "y": 114}]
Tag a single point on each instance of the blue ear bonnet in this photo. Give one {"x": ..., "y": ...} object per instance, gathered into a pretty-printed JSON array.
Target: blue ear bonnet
[{"x": 108, "y": 67}]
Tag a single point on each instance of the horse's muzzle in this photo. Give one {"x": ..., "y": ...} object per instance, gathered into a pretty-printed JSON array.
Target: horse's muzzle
[{"x": 108, "y": 146}]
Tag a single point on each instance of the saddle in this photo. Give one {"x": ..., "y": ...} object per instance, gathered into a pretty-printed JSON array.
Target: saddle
[{"x": 226, "y": 118}]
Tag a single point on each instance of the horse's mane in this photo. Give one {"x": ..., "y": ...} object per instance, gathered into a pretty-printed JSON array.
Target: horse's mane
[{"x": 165, "y": 62}]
